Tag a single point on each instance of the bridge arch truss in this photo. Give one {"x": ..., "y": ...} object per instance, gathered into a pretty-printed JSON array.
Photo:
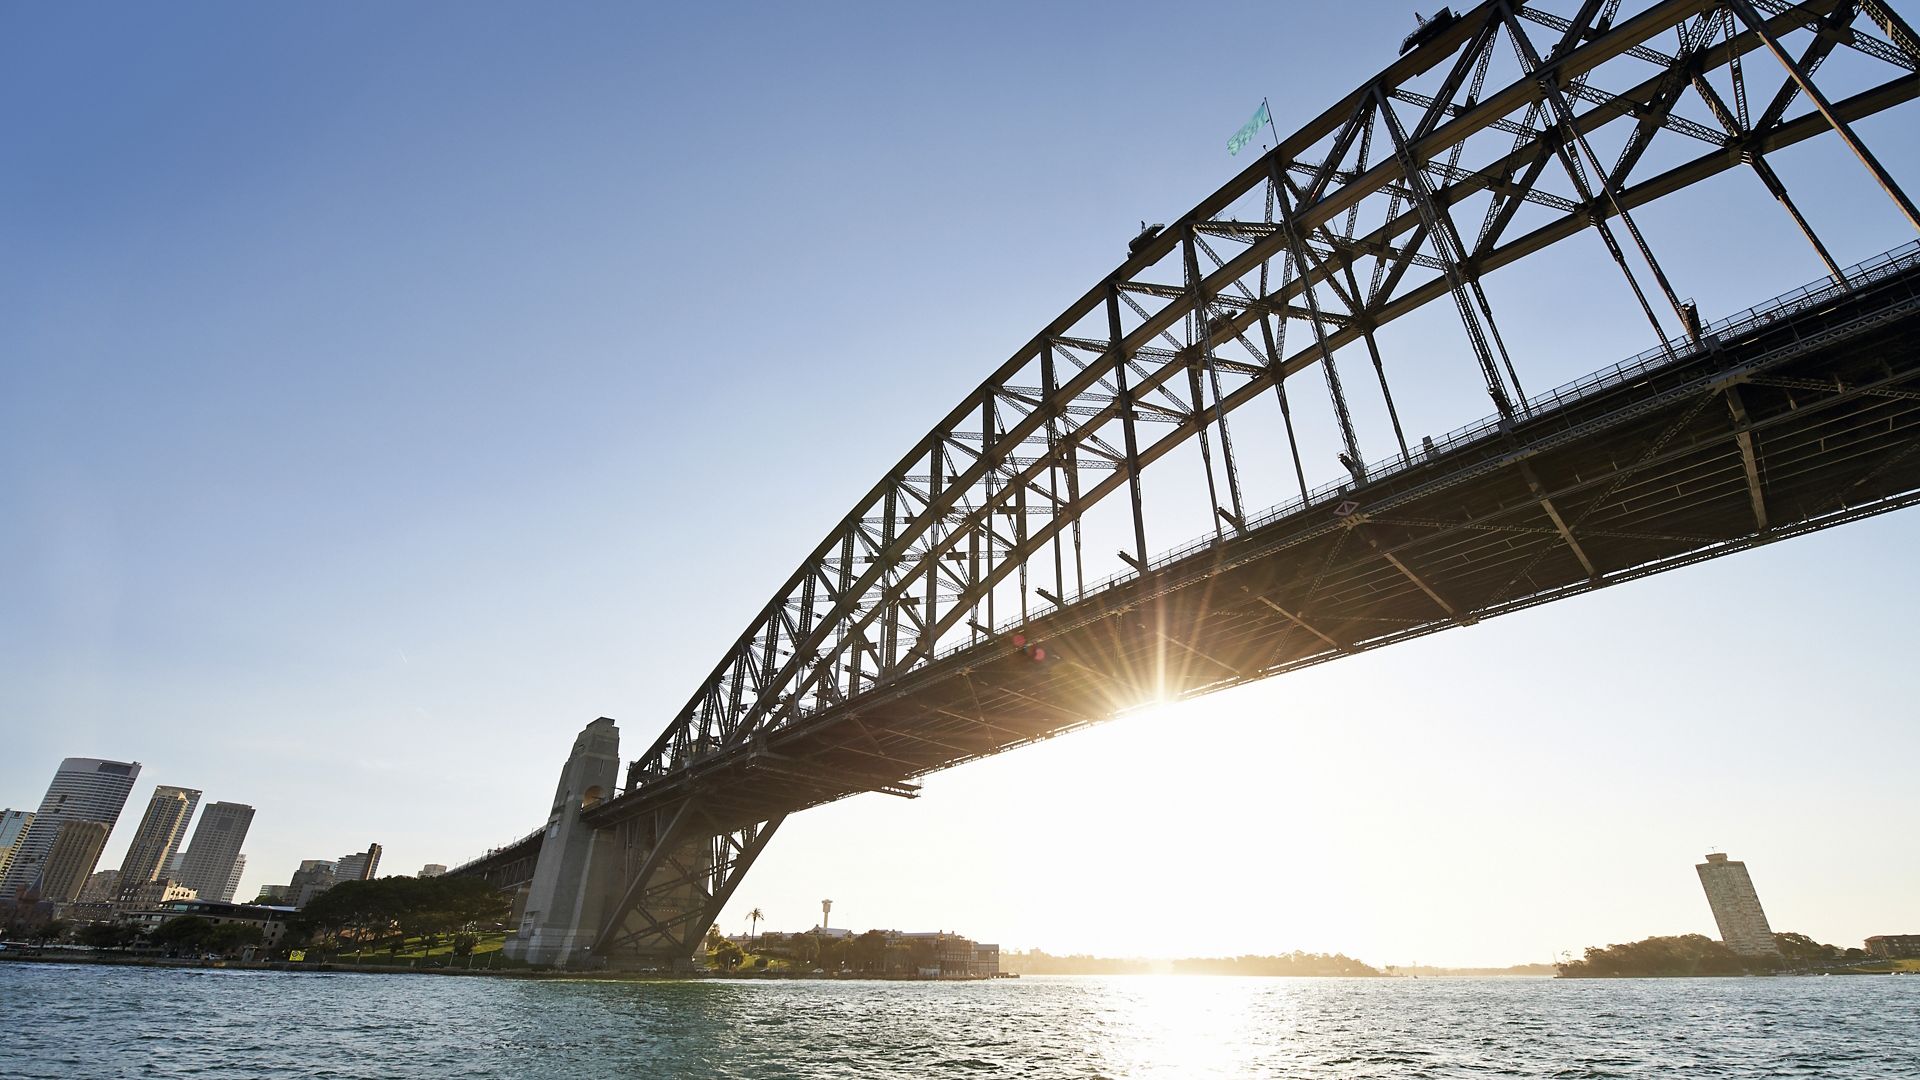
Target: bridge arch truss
[
  {"x": 976, "y": 529},
  {"x": 1512, "y": 128}
]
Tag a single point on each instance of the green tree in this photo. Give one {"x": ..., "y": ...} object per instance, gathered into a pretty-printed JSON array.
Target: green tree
[
  {"x": 50, "y": 931},
  {"x": 1686, "y": 954},
  {"x": 182, "y": 934},
  {"x": 754, "y": 916},
  {"x": 471, "y": 903},
  {"x": 106, "y": 935},
  {"x": 922, "y": 952},
  {"x": 868, "y": 952},
  {"x": 387, "y": 911},
  {"x": 1799, "y": 950},
  {"x": 228, "y": 939}
]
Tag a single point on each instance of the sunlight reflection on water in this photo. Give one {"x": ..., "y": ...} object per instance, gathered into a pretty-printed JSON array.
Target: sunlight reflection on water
[{"x": 75, "y": 1021}]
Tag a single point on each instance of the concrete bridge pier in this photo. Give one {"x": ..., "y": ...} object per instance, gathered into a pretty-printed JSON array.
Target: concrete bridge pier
[{"x": 578, "y": 865}]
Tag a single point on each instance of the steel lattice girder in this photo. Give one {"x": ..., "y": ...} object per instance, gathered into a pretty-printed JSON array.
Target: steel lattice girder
[{"x": 959, "y": 513}]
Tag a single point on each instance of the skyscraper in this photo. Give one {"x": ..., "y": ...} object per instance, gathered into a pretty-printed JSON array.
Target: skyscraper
[
  {"x": 84, "y": 789},
  {"x": 70, "y": 862},
  {"x": 216, "y": 845},
  {"x": 232, "y": 887},
  {"x": 152, "y": 847},
  {"x": 13, "y": 826},
  {"x": 1736, "y": 907},
  {"x": 172, "y": 865},
  {"x": 360, "y": 866}
]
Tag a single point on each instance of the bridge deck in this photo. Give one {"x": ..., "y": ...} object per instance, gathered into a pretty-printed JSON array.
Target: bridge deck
[{"x": 1794, "y": 418}]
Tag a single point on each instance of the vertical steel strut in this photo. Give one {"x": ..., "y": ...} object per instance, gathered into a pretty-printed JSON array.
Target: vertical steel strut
[
  {"x": 1198, "y": 337},
  {"x": 1276, "y": 349},
  {"x": 1290, "y": 228},
  {"x": 1049, "y": 387},
  {"x": 1202, "y": 301},
  {"x": 1123, "y": 399}
]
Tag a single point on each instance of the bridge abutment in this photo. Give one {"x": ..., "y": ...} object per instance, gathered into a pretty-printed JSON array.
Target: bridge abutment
[{"x": 578, "y": 865}]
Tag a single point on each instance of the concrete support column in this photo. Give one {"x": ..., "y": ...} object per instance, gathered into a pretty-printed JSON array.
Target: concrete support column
[{"x": 564, "y": 903}]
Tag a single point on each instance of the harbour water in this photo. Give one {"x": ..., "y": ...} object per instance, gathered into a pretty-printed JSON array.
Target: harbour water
[{"x": 77, "y": 1021}]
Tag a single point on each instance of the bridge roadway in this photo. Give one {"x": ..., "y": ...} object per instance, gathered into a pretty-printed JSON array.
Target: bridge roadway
[{"x": 1794, "y": 416}]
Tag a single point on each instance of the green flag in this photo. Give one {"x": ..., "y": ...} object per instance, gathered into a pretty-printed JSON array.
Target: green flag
[{"x": 1245, "y": 135}]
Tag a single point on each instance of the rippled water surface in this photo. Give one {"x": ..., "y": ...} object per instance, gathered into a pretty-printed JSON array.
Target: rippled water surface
[{"x": 61, "y": 1021}]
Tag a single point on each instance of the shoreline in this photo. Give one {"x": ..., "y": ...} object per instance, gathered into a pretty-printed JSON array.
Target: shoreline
[{"x": 338, "y": 967}]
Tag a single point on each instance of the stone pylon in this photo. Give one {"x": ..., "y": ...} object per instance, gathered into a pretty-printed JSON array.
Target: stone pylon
[{"x": 578, "y": 866}]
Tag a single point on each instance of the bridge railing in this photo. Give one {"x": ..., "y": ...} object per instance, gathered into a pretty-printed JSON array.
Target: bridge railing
[
  {"x": 491, "y": 852},
  {"x": 1673, "y": 351}
]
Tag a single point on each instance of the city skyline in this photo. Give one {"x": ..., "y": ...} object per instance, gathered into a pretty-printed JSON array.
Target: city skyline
[{"x": 362, "y": 454}]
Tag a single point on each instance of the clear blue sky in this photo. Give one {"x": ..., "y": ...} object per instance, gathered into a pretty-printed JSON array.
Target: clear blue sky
[{"x": 386, "y": 391}]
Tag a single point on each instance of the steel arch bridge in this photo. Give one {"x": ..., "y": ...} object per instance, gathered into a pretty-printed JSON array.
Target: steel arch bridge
[{"x": 950, "y": 616}]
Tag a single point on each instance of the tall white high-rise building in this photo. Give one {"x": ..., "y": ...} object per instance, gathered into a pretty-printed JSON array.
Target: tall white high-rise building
[
  {"x": 1736, "y": 907},
  {"x": 209, "y": 861},
  {"x": 150, "y": 856},
  {"x": 84, "y": 789},
  {"x": 232, "y": 888},
  {"x": 13, "y": 826}
]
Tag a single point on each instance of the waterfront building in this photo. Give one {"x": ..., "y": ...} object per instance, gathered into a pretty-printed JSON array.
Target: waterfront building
[
  {"x": 359, "y": 866},
  {"x": 83, "y": 789},
  {"x": 151, "y": 853},
  {"x": 209, "y": 865},
  {"x": 13, "y": 826},
  {"x": 100, "y": 888},
  {"x": 71, "y": 861},
  {"x": 272, "y": 921},
  {"x": 86, "y": 913},
  {"x": 159, "y": 891},
  {"x": 1894, "y": 946},
  {"x": 1736, "y": 907},
  {"x": 941, "y": 955},
  {"x": 433, "y": 869}
]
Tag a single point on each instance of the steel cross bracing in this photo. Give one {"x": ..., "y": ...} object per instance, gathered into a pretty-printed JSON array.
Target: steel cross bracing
[{"x": 1167, "y": 347}]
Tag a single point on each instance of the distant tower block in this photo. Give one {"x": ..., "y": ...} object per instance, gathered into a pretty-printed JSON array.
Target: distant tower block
[
  {"x": 1736, "y": 907},
  {"x": 826, "y": 909}
]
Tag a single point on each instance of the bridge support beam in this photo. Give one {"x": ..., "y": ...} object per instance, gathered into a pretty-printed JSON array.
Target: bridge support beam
[{"x": 680, "y": 868}]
